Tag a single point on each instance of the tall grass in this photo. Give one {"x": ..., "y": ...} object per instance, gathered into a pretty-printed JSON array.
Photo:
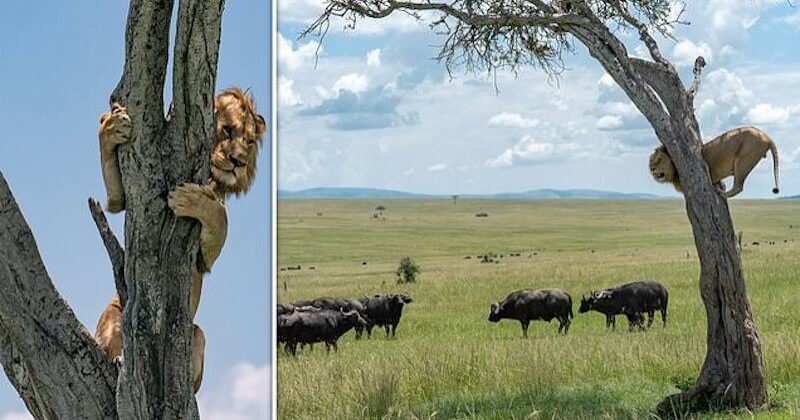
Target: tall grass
[{"x": 448, "y": 361}]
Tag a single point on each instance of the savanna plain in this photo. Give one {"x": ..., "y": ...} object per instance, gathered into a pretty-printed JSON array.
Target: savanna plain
[{"x": 447, "y": 361}]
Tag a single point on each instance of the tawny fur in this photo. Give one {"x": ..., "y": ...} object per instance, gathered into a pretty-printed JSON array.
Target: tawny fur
[
  {"x": 733, "y": 153},
  {"x": 239, "y": 130}
]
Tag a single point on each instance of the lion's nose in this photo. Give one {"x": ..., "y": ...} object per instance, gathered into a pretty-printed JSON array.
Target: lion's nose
[{"x": 238, "y": 161}]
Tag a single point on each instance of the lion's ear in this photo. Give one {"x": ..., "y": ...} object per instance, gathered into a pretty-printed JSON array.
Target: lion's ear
[{"x": 261, "y": 125}]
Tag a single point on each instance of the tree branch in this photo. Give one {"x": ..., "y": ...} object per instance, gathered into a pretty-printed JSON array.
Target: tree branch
[
  {"x": 48, "y": 355},
  {"x": 699, "y": 63},
  {"x": 114, "y": 249},
  {"x": 644, "y": 35}
]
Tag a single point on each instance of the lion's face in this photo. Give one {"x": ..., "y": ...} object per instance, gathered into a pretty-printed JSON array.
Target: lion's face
[
  {"x": 238, "y": 133},
  {"x": 661, "y": 166}
]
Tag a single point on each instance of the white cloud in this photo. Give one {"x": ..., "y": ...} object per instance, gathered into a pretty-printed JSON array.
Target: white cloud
[
  {"x": 606, "y": 81},
  {"x": 16, "y": 415},
  {"x": 529, "y": 151},
  {"x": 286, "y": 95},
  {"x": 409, "y": 172},
  {"x": 609, "y": 122},
  {"x": 245, "y": 395},
  {"x": 791, "y": 20},
  {"x": 437, "y": 167},
  {"x": 767, "y": 114},
  {"x": 353, "y": 82},
  {"x": 685, "y": 52},
  {"x": 509, "y": 119},
  {"x": 374, "y": 58},
  {"x": 292, "y": 59}
]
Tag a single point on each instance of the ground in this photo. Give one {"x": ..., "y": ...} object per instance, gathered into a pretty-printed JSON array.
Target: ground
[{"x": 448, "y": 361}]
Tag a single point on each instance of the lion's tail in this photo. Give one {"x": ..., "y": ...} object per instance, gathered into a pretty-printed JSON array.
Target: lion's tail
[{"x": 775, "y": 166}]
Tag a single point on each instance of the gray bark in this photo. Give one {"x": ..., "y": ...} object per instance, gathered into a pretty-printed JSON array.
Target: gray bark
[
  {"x": 50, "y": 358},
  {"x": 155, "y": 378},
  {"x": 48, "y": 355}
]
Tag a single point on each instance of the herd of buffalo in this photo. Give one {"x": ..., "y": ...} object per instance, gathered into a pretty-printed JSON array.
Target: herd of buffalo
[{"x": 325, "y": 320}]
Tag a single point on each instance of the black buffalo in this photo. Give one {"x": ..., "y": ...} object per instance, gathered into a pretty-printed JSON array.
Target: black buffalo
[
  {"x": 346, "y": 304},
  {"x": 308, "y": 327},
  {"x": 632, "y": 300},
  {"x": 530, "y": 305},
  {"x": 284, "y": 308},
  {"x": 384, "y": 311}
]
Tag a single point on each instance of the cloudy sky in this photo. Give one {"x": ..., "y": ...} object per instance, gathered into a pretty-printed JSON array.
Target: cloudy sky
[
  {"x": 59, "y": 61},
  {"x": 371, "y": 108}
]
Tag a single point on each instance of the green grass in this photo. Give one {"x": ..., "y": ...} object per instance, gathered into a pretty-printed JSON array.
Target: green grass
[{"x": 448, "y": 361}]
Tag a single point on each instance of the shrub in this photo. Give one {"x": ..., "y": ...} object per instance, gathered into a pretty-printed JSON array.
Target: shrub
[{"x": 407, "y": 271}]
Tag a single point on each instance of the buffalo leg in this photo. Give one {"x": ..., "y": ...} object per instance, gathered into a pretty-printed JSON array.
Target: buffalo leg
[
  {"x": 394, "y": 328},
  {"x": 386, "y": 327},
  {"x": 664, "y": 317},
  {"x": 650, "y": 315},
  {"x": 525, "y": 324}
]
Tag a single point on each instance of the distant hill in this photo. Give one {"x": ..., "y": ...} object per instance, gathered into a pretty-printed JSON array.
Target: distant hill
[
  {"x": 343, "y": 193},
  {"x": 791, "y": 197}
]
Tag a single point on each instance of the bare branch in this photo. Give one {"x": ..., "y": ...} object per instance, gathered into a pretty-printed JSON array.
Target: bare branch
[
  {"x": 114, "y": 249},
  {"x": 644, "y": 35},
  {"x": 699, "y": 63},
  {"x": 48, "y": 355}
]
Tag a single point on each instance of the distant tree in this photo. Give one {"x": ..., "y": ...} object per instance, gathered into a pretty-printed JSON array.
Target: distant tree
[
  {"x": 407, "y": 271},
  {"x": 487, "y": 35},
  {"x": 455, "y": 199}
]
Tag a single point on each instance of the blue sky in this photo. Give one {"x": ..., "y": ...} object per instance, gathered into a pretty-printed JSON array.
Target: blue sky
[
  {"x": 374, "y": 110},
  {"x": 59, "y": 61}
]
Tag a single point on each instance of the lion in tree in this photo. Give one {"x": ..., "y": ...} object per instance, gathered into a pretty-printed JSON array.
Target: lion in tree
[
  {"x": 239, "y": 130},
  {"x": 733, "y": 153}
]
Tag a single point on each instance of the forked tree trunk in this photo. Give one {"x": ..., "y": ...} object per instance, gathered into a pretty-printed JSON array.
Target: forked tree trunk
[{"x": 50, "y": 358}]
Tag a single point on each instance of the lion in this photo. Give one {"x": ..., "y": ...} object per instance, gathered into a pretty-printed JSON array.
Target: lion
[
  {"x": 735, "y": 152},
  {"x": 238, "y": 133}
]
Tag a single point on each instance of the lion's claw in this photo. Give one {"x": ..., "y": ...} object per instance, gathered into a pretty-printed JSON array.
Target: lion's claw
[
  {"x": 189, "y": 200},
  {"x": 115, "y": 126}
]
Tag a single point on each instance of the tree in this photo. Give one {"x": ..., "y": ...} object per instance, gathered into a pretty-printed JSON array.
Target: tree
[
  {"x": 407, "y": 271},
  {"x": 455, "y": 199},
  {"x": 49, "y": 357},
  {"x": 493, "y": 34}
]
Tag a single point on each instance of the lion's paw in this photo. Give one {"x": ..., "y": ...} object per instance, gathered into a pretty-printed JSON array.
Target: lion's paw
[
  {"x": 191, "y": 200},
  {"x": 115, "y": 126}
]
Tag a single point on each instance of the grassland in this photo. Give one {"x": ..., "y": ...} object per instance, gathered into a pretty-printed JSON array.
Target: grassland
[{"x": 448, "y": 361}]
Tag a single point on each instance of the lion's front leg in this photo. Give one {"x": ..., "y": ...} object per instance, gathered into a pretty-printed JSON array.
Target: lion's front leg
[
  {"x": 115, "y": 129},
  {"x": 201, "y": 203}
]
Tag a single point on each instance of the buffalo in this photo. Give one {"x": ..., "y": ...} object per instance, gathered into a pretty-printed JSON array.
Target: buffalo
[
  {"x": 310, "y": 327},
  {"x": 530, "y": 305},
  {"x": 343, "y": 303},
  {"x": 385, "y": 311},
  {"x": 632, "y": 300}
]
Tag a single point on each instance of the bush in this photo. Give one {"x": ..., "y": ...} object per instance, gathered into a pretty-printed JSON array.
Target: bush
[{"x": 407, "y": 271}]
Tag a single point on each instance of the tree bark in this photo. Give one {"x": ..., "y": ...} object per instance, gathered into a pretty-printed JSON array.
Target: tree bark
[
  {"x": 48, "y": 355},
  {"x": 155, "y": 378},
  {"x": 50, "y": 358}
]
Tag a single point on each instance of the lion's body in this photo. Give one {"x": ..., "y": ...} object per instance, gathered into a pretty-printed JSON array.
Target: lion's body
[
  {"x": 234, "y": 149},
  {"x": 733, "y": 153}
]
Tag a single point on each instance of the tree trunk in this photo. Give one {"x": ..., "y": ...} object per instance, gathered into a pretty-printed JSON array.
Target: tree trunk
[
  {"x": 155, "y": 378},
  {"x": 50, "y": 358},
  {"x": 733, "y": 372}
]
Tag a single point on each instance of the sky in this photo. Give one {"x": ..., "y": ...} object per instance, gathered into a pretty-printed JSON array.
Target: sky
[
  {"x": 370, "y": 107},
  {"x": 59, "y": 61}
]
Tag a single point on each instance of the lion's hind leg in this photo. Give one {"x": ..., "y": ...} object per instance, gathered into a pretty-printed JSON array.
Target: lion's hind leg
[
  {"x": 742, "y": 167},
  {"x": 198, "y": 356}
]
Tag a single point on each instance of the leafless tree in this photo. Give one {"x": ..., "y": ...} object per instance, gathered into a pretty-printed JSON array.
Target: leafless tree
[
  {"x": 49, "y": 357},
  {"x": 487, "y": 35}
]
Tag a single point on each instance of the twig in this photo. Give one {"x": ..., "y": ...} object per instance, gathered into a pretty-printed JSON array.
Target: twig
[{"x": 115, "y": 251}]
